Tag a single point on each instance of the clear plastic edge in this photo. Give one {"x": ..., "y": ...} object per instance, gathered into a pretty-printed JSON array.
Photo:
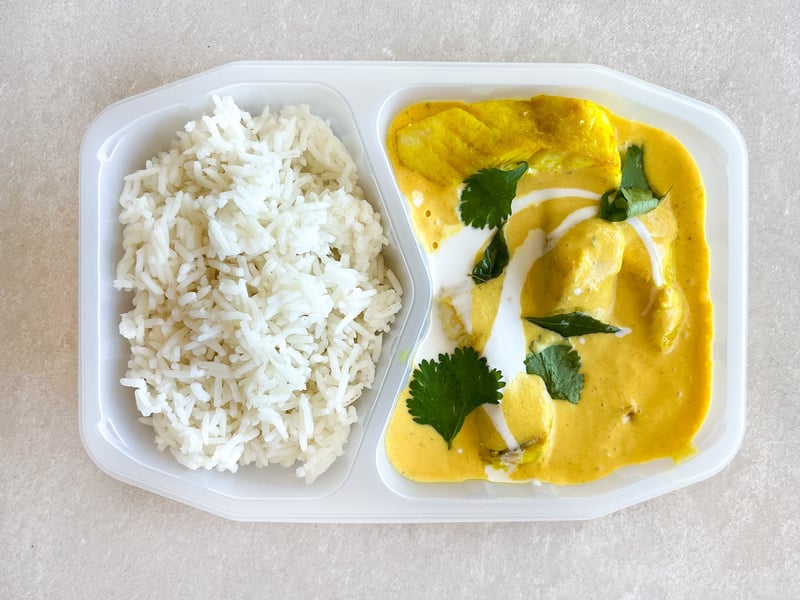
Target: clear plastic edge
[{"x": 737, "y": 316}]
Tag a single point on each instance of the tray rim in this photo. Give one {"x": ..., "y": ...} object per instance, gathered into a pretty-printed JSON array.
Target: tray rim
[{"x": 421, "y": 73}]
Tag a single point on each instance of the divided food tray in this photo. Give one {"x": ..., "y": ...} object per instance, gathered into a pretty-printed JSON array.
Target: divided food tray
[{"x": 360, "y": 100}]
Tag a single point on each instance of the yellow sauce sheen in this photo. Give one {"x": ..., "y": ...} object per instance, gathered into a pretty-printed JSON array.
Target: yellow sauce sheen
[{"x": 640, "y": 401}]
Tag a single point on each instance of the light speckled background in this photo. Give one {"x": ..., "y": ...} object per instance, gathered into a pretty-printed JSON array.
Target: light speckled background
[{"x": 67, "y": 530}]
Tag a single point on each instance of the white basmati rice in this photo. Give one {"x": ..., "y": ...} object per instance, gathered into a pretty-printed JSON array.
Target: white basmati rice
[{"x": 259, "y": 291}]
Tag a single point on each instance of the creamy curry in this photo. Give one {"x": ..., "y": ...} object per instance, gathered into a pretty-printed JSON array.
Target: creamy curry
[{"x": 647, "y": 387}]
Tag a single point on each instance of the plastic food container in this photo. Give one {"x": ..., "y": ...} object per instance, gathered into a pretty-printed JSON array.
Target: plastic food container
[{"x": 360, "y": 100}]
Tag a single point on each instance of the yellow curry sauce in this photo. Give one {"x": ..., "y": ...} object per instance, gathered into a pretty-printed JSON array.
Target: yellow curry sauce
[{"x": 646, "y": 392}]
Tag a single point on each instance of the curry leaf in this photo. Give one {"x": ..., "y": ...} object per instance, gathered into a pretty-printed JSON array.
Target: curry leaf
[
  {"x": 634, "y": 196},
  {"x": 633, "y": 169},
  {"x": 494, "y": 261},
  {"x": 574, "y": 323}
]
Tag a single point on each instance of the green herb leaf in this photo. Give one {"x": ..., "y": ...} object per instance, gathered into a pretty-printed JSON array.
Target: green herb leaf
[
  {"x": 634, "y": 195},
  {"x": 494, "y": 261},
  {"x": 633, "y": 169},
  {"x": 443, "y": 393},
  {"x": 559, "y": 367},
  {"x": 487, "y": 195},
  {"x": 611, "y": 209},
  {"x": 574, "y": 323}
]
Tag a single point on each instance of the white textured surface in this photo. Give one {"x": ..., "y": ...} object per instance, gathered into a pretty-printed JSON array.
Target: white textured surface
[{"x": 67, "y": 530}]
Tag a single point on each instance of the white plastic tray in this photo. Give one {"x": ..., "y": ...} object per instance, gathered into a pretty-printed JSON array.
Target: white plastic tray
[{"x": 360, "y": 99}]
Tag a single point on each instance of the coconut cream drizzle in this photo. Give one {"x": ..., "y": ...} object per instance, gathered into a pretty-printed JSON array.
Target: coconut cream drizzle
[
  {"x": 572, "y": 219},
  {"x": 451, "y": 264},
  {"x": 652, "y": 250},
  {"x": 505, "y": 348},
  {"x": 539, "y": 196}
]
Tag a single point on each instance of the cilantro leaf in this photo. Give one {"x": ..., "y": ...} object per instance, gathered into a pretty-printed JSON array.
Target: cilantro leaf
[
  {"x": 634, "y": 195},
  {"x": 487, "y": 195},
  {"x": 574, "y": 323},
  {"x": 443, "y": 393},
  {"x": 559, "y": 367},
  {"x": 495, "y": 259}
]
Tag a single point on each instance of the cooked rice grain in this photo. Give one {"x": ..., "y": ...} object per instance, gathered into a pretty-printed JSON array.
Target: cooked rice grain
[{"x": 260, "y": 293}]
